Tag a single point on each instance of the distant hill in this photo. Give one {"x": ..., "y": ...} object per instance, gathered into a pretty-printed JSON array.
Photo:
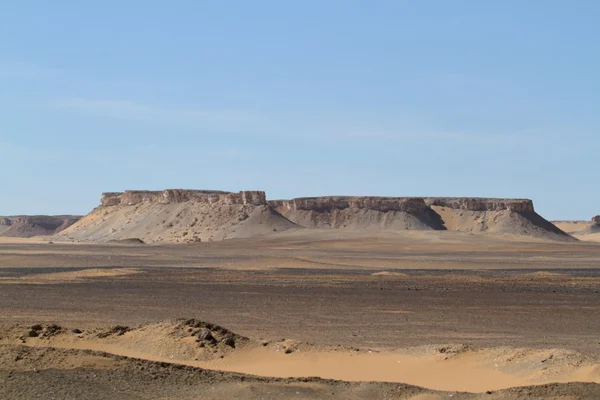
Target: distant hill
[
  {"x": 177, "y": 215},
  {"x": 35, "y": 225}
]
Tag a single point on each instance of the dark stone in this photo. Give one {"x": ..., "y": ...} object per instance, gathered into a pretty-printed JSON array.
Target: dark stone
[
  {"x": 207, "y": 336},
  {"x": 32, "y": 333},
  {"x": 229, "y": 341}
]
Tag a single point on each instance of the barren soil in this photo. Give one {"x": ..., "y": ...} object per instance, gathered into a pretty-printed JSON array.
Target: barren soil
[{"x": 432, "y": 313}]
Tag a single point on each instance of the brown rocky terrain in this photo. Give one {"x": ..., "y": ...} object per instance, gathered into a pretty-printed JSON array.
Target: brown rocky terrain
[
  {"x": 35, "y": 225},
  {"x": 500, "y": 216},
  {"x": 5, "y": 224},
  {"x": 449, "y": 370},
  {"x": 408, "y": 314},
  {"x": 56, "y": 373},
  {"x": 177, "y": 215}
]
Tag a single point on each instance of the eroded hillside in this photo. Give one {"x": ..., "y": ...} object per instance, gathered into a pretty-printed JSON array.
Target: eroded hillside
[{"x": 177, "y": 215}]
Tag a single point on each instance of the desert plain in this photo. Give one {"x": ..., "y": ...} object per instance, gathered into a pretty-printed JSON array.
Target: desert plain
[{"x": 330, "y": 298}]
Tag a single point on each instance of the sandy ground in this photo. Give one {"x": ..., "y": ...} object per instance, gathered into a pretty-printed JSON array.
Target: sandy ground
[{"x": 452, "y": 313}]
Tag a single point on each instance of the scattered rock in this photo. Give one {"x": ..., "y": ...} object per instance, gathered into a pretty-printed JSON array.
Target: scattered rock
[
  {"x": 52, "y": 330},
  {"x": 117, "y": 330},
  {"x": 207, "y": 336},
  {"x": 32, "y": 333},
  {"x": 229, "y": 341}
]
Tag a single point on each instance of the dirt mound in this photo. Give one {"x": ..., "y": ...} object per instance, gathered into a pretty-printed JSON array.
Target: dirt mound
[
  {"x": 35, "y": 225},
  {"x": 177, "y": 216},
  {"x": 182, "y": 340}
]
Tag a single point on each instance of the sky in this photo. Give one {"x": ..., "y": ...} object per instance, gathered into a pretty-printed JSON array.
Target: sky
[{"x": 300, "y": 98}]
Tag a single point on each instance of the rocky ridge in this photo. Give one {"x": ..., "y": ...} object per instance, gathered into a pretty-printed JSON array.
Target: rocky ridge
[
  {"x": 181, "y": 215},
  {"x": 133, "y": 197},
  {"x": 35, "y": 225}
]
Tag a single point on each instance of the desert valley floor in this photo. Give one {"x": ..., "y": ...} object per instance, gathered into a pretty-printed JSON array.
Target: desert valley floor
[{"x": 316, "y": 314}]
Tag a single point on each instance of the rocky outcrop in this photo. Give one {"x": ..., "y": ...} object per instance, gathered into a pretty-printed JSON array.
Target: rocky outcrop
[
  {"x": 39, "y": 225},
  {"x": 596, "y": 220},
  {"x": 466, "y": 214},
  {"x": 356, "y": 213},
  {"x": 405, "y": 204},
  {"x": 330, "y": 203},
  {"x": 482, "y": 204},
  {"x": 133, "y": 197},
  {"x": 5, "y": 222},
  {"x": 178, "y": 215}
]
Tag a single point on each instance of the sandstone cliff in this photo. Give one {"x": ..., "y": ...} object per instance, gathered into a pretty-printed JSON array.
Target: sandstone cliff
[
  {"x": 501, "y": 216},
  {"x": 482, "y": 204},
  {"x": 177, "y": 215},
  {"x": 397, "y": 213},
  {"x": 133, "y": 197}
]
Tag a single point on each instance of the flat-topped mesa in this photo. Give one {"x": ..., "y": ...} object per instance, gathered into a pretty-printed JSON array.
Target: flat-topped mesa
[
  {"x": 330, "y": 203},
  {"x": 133, "y": 197},
  {"x": 482, "y": 204}
]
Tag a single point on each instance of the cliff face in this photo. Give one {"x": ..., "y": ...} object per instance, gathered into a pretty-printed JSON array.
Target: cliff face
[
  {"x": 501, "y": 216},
  {"x": 482, "y": 204},
  {"x": 176, "y": 215},
  {"x": 404, "y": 204},
  {"x": 323, "y": 204},
  {"x": 133, "y": 197}
]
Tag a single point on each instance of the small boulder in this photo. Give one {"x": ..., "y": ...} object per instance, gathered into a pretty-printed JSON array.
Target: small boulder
[
  {"x": 207, "y": 336},
  {"x": 228, "y": 341},
  {"x": 32, "y": 333}
]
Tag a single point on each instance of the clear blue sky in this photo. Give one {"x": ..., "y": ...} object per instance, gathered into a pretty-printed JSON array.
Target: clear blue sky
[{"x": 303, "y": 98}]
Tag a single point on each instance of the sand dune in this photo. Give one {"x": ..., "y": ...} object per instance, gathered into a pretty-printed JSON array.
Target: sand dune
[{"x": 204, "y": 345}]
